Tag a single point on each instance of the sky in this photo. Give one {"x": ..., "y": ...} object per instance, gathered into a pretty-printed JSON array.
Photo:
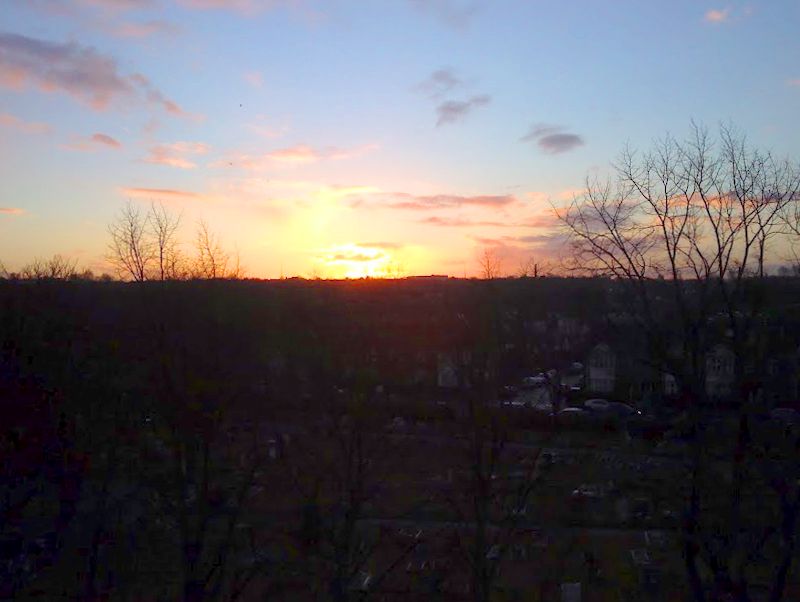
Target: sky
[{"x": 360, "y": 138}]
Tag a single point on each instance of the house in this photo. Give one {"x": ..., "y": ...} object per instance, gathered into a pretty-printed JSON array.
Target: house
[
  {"x": 719, "y": 372},
  {"x": 601, "y": 369}
]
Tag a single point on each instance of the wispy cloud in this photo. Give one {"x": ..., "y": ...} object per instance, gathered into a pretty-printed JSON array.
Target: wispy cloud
[
  {"x": 177, "y": 154},
  {"x": 402, "y": 200},
  {"x": 79, "y": 71},
  {"x": 552, "y": 139},
  {"x": 142, "y": 29},
  {"x": 11, "y": 211},
  {"x": 795, "y": 82},
  {"x": 94, "y": 142},
  {"x": 120, "y": 4},
  {"x": 168, "y": 194},
  {"x": 717, "y": 15},
  {"x": 293, "y": 156},
  {"x": 460, "y": 222},
  {"x": 453, "y": 111},
  {"x": 439, "y": 83},
  {"x": 268, "y": 131},
  {"x": 245, "y": 7},
  {"x": 519, "y": 249},
  {"x": 545, "y": 220},
  {"x": 300, "y": 153},
  {"x": 20, "y": 125}
]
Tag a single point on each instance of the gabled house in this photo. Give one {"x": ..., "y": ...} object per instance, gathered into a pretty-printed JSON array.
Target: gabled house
[{"x": 601, "y": 369}]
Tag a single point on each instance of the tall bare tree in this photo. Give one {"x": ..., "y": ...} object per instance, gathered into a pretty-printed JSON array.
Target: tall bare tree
[
  {"x": 131, "y": 250},
  {"x": 687, "y": 230},
  {"x": 490, "y": 263},
  {"x": 164, "y": 227},
  {"x": 492, "y": 495}
]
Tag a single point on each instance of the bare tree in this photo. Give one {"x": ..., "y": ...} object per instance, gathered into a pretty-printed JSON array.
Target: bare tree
[
  {"x": 534, "y": 267},
  {"x": 131, "y": 250},
  {"x": 55, "y": 268},
  {"x": 337, "y": 469},
  {"x": 490, "y": 262},
  {"x": 698, "y": 219},
  {"x": 492, "y": 497},
  {"x": 164, "y": 227},
  {"x": 211, "y": 259}
]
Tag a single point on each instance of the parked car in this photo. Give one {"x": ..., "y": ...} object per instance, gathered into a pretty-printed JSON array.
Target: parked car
[
  {"x": 623, "y": 410},
  {"x": 596, "y": 405},
  {"x": 785, "y": 415},
  {"x": 573, "y": 416}
]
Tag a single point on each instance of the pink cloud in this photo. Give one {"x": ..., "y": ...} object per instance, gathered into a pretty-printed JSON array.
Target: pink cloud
[
  {"x": 27, "y": 127},
  {"x": 78, "y": 71},
  {"x": 168, "y": 194},
  {"x": 717, "y": 15},
  {"x": 95, "y": 141},
  {"x": 793, "y": 82},
  {"x": 11, "y": 211},
  {"x": 458, "y": 222},
  {"x": 254, "y": 78},
  {"x": 439, "y": 201},
  {"x": 106, "y": 140},
  {"x": 293, "y": 156},
  {"x": 544, "y": 220},
  {"x": 120, "y": 4},
  {"x": 177, "y": 154}
]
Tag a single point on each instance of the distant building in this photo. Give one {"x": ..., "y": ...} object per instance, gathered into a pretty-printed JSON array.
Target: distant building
[
  {"x": 601, "y": 369},
  {"x": 719, "y": 372}
]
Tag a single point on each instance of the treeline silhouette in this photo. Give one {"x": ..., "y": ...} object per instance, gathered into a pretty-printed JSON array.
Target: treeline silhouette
[{"x": 190, "y": 435}]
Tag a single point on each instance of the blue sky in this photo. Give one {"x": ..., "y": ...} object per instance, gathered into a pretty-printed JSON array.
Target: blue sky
[{"x": 339, "y": 137}]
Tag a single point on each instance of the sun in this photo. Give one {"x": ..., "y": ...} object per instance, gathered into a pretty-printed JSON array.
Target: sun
[{"x": 354, "y": 261}]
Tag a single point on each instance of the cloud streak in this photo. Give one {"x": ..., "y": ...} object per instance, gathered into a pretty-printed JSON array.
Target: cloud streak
[
  {"x": 177, "y": 154},
  {"x": 120, "y": 4},
  {"x": 405, "y": 200},
  {"x": 161, "y": 194},
  {"x": 545, "y": 220},
  {"x": 144, "y": 29},
  {"x": 94, "y": 142},
  {"x": 553, "y": 139},
  {"x": 453, "y": 111},
  {"x": 79, "y": 71},
  {"x": 294, "y": 156},
  {"x": 11, "y": 211},
  {"x": 244, "y": 7},
  {"x": 20, "y": 125}
]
